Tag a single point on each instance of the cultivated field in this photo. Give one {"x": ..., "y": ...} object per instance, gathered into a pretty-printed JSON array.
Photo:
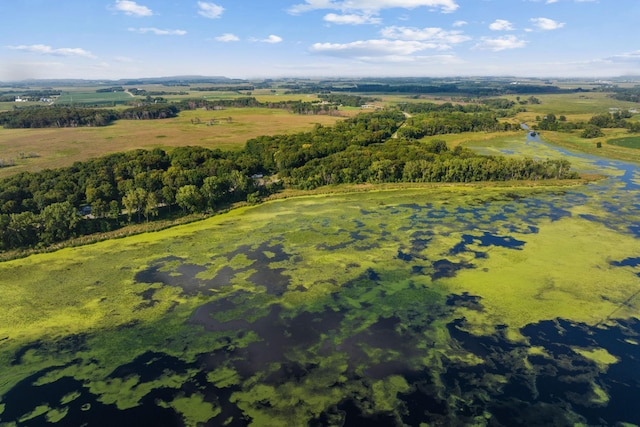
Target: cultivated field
[{"x": 93, "y": 98}]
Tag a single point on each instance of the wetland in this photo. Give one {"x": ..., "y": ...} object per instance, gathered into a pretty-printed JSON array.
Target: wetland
[{"x": 442, "y": 305}]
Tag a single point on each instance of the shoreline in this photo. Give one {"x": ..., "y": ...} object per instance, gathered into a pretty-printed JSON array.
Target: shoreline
[{"x": 342, "y": 189}]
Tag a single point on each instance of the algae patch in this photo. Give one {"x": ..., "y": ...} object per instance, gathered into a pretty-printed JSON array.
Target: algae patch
[{"x": 476, "y": 306}]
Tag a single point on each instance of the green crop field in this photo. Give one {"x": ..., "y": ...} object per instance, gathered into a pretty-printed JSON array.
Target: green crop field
[{"x": 93, "y": 98}]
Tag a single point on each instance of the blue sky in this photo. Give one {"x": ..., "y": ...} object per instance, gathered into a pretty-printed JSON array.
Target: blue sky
[{"x": 111, "y": 39}]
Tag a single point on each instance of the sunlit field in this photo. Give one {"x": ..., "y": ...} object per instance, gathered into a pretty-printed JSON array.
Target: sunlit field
[
  {"x": 93, "y": 98},
  {"x": 232, "y": 128}
]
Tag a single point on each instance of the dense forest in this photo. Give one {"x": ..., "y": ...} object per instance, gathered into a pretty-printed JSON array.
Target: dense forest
[
  {"x": 42, "y": 208},
  {"x": 427, "y": 86},
  {"x": 44, "y": 117},
  {"x": 61, "y": 117}
]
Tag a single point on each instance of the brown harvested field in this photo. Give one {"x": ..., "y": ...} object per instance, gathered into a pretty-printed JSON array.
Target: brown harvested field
[{"x": 61, "y": 147}]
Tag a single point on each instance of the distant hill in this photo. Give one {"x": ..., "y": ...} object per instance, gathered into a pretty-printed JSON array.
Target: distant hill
[{"x": 169, "y": 80}]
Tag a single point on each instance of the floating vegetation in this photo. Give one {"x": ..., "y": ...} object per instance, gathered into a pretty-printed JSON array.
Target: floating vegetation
[{"x": 437, "y": 306}]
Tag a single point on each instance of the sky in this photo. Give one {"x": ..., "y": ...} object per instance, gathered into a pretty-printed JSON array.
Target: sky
[{"x": 114, "y": 39}]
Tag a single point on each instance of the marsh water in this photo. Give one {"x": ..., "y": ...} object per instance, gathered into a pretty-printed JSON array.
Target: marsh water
[{"x": 453, "y": 305}]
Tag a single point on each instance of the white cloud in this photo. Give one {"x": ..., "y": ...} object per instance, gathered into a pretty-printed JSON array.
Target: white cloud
[
  {"x": 372, "y": 6},
  {"x": 132, "y": 8},
  {"x": 210, "y": 10},
  {"x": 425, "y": 34},
  {"x": 227, "y": 37},
  {"x": 460, "y": 23},
  {"x": 633, "y": 57},
  {"x": 500, "y": 43},
  {"x": 271, "y": 39},
  {"x": 501, "y": 25},
  {"x": 366, "y": 49},
  {"x": 351, "y": 19},
  {"x": 546, "y": 24},
  {"x": 48, "y": 50},
  {"x": 158, "y": 32}
]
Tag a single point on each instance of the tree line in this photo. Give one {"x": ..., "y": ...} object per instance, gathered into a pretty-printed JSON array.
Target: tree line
[
  {"x": 61, "y": 117},
  {"x": 224, "y": 88},
  {"x": 44, "y": 117},
  {"x": 500, "y": 107},
  {"x": 110, "y": 89},
  {"x": 631, "y": 94},
  {"x": 347, "y": 100},
  {"x": 427, "y": 86},
  {"x": 591, "y": 128},
  {"x": 440, "y": 123},
  {"x": 411, "y": 161},
  {"x": 293, "y": 106},
  {"x": 41, "y": 208}
]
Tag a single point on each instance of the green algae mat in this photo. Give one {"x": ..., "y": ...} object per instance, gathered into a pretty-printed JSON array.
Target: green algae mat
[{"x": 454, "y": 305}]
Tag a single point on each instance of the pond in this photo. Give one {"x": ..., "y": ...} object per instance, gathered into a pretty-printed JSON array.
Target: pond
[{"x": 451, "y": 305}]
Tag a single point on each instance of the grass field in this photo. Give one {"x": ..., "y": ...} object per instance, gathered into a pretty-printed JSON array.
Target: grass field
[
  {"x": 62, "y": 147},
  {"x": 93, "y": 98},
  {"x": 629, "y": 142}
]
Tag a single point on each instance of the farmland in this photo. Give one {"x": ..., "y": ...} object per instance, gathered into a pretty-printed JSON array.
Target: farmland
[{"x": 93, "y": 98}]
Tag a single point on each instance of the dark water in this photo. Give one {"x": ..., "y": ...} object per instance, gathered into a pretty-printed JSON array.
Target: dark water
[{"x": 540, "y": 394}]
